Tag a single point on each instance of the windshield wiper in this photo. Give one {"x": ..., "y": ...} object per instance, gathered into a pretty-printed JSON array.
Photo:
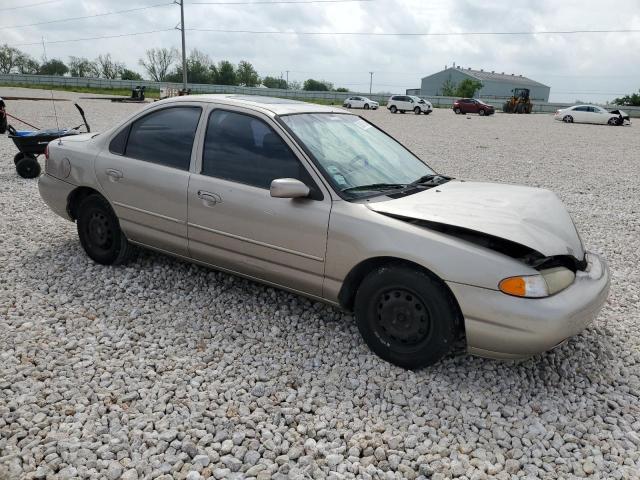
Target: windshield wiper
[
  {"x": 432, "y": 178},
  {"x": 375, "y": 186}
]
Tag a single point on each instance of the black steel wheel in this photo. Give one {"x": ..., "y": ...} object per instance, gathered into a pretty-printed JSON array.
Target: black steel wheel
[
  {"x": 100, "y": 233},
  {"x": 406, "y": 316},
  {"x": 28, "y": 167}
]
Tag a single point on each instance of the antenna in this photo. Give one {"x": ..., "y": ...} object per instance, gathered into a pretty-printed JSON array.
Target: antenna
[{"x": 53, "y": 102}]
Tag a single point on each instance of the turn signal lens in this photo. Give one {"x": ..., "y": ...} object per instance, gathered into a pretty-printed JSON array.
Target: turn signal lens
[{"x": 530, "y": 286}]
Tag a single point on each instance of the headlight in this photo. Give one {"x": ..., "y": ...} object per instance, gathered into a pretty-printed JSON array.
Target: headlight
[{"x": 547, "y": 282}]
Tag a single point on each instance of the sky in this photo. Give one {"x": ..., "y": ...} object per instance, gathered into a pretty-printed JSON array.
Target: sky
[{"x": 587, "y": 67}]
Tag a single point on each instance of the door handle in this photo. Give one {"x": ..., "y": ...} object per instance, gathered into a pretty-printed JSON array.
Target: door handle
[
  {"x": 114, "y": 175},
  {"x": 208, "y": 198}
]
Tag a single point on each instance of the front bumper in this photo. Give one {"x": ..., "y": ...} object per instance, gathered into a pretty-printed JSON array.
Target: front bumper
[
  {"x": 55, "y": 193},
  {"x": 501, "y": 326}
]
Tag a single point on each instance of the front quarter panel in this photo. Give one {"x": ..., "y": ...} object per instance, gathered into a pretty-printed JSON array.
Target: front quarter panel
[{"x": 357, "y": 233}]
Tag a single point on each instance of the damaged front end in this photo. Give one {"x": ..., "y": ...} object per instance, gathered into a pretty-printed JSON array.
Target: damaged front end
[{"x": 623, "y": 117}]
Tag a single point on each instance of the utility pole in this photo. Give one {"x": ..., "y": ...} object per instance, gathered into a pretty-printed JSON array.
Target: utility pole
[
  {"x": 184, "y": 50},
  {"x": 370, "y": 82},
  {"x": 287, "y": 79}
]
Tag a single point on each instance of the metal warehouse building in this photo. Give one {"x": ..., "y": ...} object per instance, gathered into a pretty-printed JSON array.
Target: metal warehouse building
[{"x": 495, "y": 85}]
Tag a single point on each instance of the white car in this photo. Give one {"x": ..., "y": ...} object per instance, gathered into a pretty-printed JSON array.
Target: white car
[
  {"x": 360, "y": 102},
  {"x": 409, "y": 103},
  {"x": 591, "y": 114}
]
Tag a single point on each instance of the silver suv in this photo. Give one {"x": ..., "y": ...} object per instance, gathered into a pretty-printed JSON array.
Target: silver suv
[{"x": 321, "y": 202}]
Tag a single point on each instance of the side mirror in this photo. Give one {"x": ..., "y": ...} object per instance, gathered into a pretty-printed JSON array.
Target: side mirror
[{"x": 288, "y": 188}]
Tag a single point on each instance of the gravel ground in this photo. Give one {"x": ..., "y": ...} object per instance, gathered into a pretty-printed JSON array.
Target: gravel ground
[{"x": 162, "y": 369}]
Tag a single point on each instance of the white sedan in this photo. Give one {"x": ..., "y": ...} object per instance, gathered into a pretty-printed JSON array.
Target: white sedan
[
  {"x": 592, "y": 114},
  {"x": 360, "y": 102}
]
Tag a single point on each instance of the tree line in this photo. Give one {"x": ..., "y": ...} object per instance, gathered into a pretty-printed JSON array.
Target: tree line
[{"x": 160, "y": 65}]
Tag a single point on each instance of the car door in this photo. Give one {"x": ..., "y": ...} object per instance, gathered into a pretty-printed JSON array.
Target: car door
[
  {"x": 358, "y": 102},
  {"x": 144, "y": 173},
  {"x": 235, "y": 224},
  {"x": 580, "y": 114}
]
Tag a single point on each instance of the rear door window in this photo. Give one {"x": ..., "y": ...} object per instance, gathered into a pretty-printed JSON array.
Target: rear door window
[{"x": 164, "y": 137}]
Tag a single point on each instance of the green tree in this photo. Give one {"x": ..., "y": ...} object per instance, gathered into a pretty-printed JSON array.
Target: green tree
[
  {"x": 130, "y": 75},
  {"x": 342, "y": 89},
  {"x": 8, "y": 58},
  {"x": 317, "y": 85},
  {"x": 53, "y": 67},
  {"x": 224, "y": 73},
  {"x": 246, "y": 75},
  {"x": 198, "y": 69},
  {"x": 273, "y": 82},
  {"x": 631, "y": 100},
  {"x": 467, "y": 88},
  {"x": 448, "y": 88},
  {"x": 82, "y": 67},
  {"x": 26, "y": 64}
]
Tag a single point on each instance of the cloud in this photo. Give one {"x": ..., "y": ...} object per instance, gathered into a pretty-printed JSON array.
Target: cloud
[{"x": 604, "y": 65}]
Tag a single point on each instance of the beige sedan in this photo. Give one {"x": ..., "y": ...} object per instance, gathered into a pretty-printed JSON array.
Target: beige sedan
[{"x": 319, "y": 201}]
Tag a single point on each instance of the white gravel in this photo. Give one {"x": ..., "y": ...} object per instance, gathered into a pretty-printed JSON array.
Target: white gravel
[{"x": 162, "y": 369}]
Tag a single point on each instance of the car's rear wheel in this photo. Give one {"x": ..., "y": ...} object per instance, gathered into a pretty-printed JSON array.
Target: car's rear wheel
[
  {"x": 416, "y": 110},
  {"x": 393, "y": 109},
  {"x": 100, "y": 233},
  {"x": 567, "y": 119},
  {"x": 366, "y": 106},
  {"x": 406, "y": 316},
  {"x": 28, "y": 167},
  {"x": 458, "y": 111}
]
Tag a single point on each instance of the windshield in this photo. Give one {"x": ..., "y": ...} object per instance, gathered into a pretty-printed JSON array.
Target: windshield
[{"x": 355, "y": 154}]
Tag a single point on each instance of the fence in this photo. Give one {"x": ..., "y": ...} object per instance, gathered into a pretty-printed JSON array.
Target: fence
[{"x": 331, "y": 97}]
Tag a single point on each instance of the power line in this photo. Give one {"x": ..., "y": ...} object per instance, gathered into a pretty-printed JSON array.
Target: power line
[
  {"x": 413, "y": 34},
  {"x": 29, "y": 5},
  {"x": 89, "y": 16},
  {"x": 278, "y": 2},
  {"x": 49, "y": 42}
]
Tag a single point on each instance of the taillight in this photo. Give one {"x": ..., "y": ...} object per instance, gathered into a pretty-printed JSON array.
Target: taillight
[{"x": 46, "y": 152}]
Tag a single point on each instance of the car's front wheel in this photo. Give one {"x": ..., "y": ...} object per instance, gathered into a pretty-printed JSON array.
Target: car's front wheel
[
  {"x": 100, "y": 233},
  {"x": 416, "y": 110},
  {"x": 366, "y": 106},
  {"x": 481, "y": 112},
  {"x": 406, "y": 316},
  {"x": 458, "y": 111},
  {"x": 567, "y": 119}
]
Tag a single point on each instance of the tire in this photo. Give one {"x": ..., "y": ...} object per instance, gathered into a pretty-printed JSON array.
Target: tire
[
  {"x": 613, "y": 121},
  {"x": 393, "y": 109},
  {"x": 481, "y": 112},
  {"x": 28, "y": 167},
  {"x": 458, "y": 111},
  {"x": 520, "y": 108},
  {"x": 366, "y": 106},
  {"x": 348, "y": 105},
  {"x": 406, "y": 316},
  {"x": 17, "y": 157},
  {"x": 100, "y": 233},
  {"x": 505, "y": 107},
  {"x": 427, "y": 112},
  {"x": 567, "y": 119},
  {"x": 416, "y": 110},
  {"x": 402, "y": 111}
]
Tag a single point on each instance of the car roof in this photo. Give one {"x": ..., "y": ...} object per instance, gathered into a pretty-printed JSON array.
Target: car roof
[{"x": 269, "y": 105}]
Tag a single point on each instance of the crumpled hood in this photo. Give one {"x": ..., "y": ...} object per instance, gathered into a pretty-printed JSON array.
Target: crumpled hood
[{"x": 533, "y": 217}]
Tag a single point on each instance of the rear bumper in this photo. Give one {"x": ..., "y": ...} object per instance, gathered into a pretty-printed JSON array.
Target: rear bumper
[
  {"x": 501, "y": 326},
  {"x": 55, "y": 193}
]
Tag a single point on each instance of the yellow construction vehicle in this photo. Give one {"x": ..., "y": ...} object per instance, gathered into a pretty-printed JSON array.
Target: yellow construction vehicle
[{"x": 519, "y": 102}]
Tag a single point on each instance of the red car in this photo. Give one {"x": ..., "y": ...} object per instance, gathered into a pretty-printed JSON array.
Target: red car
[{"x": 473, "y": 105}]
